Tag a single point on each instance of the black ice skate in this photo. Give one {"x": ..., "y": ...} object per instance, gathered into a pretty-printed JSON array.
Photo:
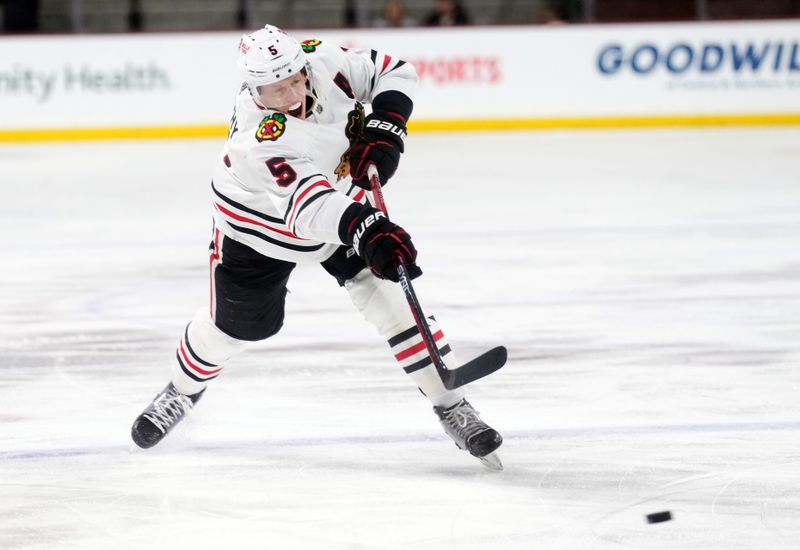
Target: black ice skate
[
  {"x": 470, "y": 433},
  {"x": 167, "y": 409}
]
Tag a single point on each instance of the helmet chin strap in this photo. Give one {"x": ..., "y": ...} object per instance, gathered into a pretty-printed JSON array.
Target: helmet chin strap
[
  {"x": 311, "y": 102},
  {"x": 255, "y": 95},
  {"x": 311, "y": 95}
]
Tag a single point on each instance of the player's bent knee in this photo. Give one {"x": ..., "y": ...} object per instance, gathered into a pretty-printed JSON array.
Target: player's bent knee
[
  {"x": 381, "y": 302},
  {"x": 210, "y": 342},
  {"x": 252, "y": 331},
  {"x": 255, "y": 320}
]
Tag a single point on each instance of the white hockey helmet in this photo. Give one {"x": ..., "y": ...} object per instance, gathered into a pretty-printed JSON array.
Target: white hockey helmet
[{"x": 270, "y": 55}]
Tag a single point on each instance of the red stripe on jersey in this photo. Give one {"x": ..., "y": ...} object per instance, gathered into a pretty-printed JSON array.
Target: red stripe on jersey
[
  {"x": 195, "y": 367},
  {"x": 386, "y": 61},
  {"x": 303, "y": 195},
  {"x": 360, "y": 195},
  {"x": 240, "y": 218},
  {"x": 214, "y": 257},
  {"x": 416, "y": 348}
]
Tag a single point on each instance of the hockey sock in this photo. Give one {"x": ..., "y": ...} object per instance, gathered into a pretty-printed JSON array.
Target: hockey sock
[
  {"x": 384, "y": 305},
  {"x": 201, "y": 354},
  {"x": 411, "y": 353}
]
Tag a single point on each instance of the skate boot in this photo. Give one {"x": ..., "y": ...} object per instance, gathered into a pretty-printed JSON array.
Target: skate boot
[
  {"x": 470, "y": 433},
  {"x": 167, "y": 409}
]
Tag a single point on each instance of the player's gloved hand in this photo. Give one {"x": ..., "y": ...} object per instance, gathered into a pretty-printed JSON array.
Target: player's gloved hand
[
  {"x": 380, "y": 242},
  {"x": 380, "y": 143}
]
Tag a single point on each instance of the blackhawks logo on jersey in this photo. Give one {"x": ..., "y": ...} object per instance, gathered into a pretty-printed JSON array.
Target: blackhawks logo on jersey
[
  {"x": 310, "y": 45},
  {"x": 355, "y": 125},
  {"x": 271, "y": 128}
]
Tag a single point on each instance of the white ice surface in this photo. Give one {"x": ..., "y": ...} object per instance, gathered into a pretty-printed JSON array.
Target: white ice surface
[{"x": 647, "y": 285}]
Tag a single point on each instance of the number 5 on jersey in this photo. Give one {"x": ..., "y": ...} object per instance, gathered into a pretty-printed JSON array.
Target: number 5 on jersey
[{"x": 284, "y": 174}]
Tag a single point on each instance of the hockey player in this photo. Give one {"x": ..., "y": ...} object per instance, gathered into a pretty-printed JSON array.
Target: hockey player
[{"x": 289, "y": 187}]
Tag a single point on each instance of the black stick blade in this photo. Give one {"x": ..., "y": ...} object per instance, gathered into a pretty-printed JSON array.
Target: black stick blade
[{"x": 481, "y": 366}]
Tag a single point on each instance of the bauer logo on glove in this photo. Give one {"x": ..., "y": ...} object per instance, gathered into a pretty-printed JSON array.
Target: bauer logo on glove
[
  {"x": 362, "y": 227},
  {"x": 378, "y": 241},
  {"x": 381, "y": 144},
  {"x": 387, "y": 126}
]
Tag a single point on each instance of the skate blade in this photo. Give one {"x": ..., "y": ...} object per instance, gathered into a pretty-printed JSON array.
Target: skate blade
[{"x": 492, "y": 461}]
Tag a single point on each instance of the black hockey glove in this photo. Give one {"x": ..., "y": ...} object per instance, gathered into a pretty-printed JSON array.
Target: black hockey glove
[
  {"x": 378, "y": 241},
  {"x": 380, "y": 143}
]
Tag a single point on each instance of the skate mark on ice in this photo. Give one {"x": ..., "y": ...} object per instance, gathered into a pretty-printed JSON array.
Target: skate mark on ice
[{"x": 555, "y": 433}]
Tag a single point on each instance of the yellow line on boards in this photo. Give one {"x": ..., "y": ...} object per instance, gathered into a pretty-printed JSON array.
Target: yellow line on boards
[
  {"x": 601, "y": 123},
  {"x": 102, "y": 134},
  {"x": 416, "y": 126}
]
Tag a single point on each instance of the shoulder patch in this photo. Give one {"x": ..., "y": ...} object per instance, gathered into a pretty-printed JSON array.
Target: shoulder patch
[
  {"x": 310, "y": 45},
  {"x": 271, "y": 127}
]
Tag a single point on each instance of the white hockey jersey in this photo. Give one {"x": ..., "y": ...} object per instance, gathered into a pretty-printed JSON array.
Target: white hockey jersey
[{"x": 275, "y": 185}]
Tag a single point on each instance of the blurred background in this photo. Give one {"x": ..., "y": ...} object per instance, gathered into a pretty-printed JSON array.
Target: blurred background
[
  {"x": 197, "y": 15},
  {"x": 511, "y": 64}
]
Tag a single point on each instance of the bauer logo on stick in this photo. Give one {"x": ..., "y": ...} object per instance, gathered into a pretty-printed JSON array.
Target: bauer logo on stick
[{"x": 271, "y": 128}]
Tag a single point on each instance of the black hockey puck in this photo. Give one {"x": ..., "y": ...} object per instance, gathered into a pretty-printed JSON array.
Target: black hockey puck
[{"x": 659, "y": 517}]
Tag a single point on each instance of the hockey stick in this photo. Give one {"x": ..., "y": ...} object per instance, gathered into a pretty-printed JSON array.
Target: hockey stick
[{"x": 479, "y": 367}]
